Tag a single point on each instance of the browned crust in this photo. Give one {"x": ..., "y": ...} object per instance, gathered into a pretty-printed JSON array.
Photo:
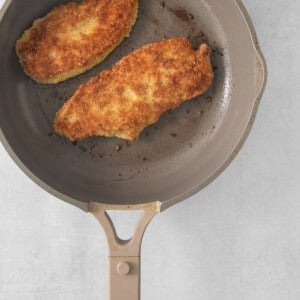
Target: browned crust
[
  {"x": 74, "y": 37},
  {"x": 137, "y": 91}
]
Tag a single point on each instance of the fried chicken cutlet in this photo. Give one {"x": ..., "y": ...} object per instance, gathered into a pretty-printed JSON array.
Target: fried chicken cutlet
[
  {"x": 74, "y": 37},
  {"x": 137, "y": 91}
]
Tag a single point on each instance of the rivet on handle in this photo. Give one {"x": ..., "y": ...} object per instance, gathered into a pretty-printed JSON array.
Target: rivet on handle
[{"x": 123, "y": 268}]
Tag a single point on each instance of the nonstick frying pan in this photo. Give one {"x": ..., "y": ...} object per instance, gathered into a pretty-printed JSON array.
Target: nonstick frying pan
[{"x": 172, "y": 160}]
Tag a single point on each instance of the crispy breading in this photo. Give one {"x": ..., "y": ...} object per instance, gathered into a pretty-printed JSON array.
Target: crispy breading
[
  {"x": 74, "y": 37},
  {"x": 137, "y": 91}
]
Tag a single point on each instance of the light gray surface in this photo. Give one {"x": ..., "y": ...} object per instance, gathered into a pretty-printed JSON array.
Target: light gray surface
[{"x": 237, "y": 239}]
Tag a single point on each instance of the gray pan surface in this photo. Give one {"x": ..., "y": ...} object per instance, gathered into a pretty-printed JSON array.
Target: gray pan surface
[{"x": 173, "y": 159}]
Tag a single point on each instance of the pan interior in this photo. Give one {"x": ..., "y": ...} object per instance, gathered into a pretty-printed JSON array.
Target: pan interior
[{"x": 171, "y": 157}]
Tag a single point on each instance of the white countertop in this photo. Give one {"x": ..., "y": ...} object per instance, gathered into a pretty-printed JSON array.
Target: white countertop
[{"x": 237, "y": 239}]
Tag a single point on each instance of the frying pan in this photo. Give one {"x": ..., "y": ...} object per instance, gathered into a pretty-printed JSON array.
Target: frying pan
[{"x": 172, "y": 160}]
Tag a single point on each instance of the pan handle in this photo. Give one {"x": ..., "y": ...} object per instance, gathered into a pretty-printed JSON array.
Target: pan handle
[{"x": 124, "y": 256}]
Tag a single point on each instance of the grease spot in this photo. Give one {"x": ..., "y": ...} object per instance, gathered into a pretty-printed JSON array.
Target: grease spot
[
  {"x": 198, "y": 39},
  {"x": 118, "y": 148},
  {"x": 182, "y": 14},
  {"x": 154, "y": 21},
  {"x": 82, "y": 148},
  {"x": 162, "y": 4},
  {"x": 219, "y": 51}
]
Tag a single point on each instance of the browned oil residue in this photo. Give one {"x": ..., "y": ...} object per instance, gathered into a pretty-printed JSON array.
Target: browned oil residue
[
  {"x": 83, "y": 148},
  {"x": 154, "y": 21},
  {"x": 198, "y": 39},
  {"x": 219, "y": 51},
  {"x": 182, "y": 14},
  {"x": 118, "y": 148},
  {"x": 162, "y": 4}
]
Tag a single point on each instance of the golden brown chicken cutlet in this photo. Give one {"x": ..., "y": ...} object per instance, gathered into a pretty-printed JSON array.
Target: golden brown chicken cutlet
[
  {"x": 137, "y": 91},
  {"x": 74, "y": 37}
]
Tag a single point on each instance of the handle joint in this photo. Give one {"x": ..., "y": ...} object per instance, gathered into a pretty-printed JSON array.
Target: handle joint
[{"x": 117, "y": 246}]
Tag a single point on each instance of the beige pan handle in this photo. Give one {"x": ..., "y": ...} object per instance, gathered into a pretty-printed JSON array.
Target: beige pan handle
[{"x": 124, "y": 256}]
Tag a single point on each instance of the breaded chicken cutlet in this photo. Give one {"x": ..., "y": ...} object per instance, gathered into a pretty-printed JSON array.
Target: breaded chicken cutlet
[
  {"x": 137, "y": 91},
  {"x": 74, "y": 37}
]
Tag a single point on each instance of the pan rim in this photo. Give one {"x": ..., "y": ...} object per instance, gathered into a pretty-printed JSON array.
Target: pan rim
[{"x": 180, "y": 197}]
